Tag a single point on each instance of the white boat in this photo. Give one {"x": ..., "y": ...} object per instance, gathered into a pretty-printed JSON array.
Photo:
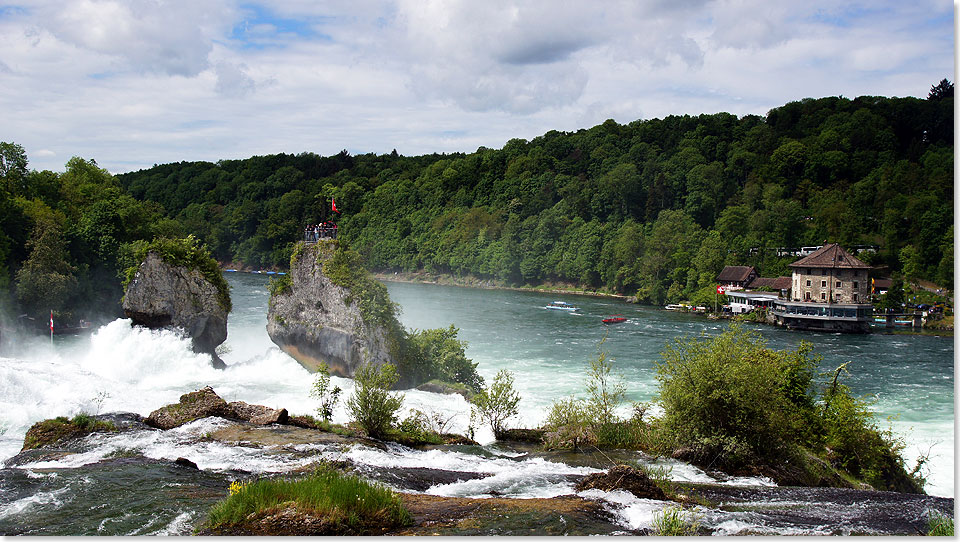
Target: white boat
[{"x": 561, "y": 306}]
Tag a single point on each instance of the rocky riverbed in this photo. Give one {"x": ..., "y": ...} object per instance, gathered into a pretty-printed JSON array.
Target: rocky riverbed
[{"x": 139, "y": 479}]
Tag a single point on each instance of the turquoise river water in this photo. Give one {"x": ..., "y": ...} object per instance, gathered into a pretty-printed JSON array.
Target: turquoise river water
[{"x": 123, "y": 369}]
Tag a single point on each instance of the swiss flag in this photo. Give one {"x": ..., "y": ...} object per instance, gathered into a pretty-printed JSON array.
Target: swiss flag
[
  {"x": 333, "y": 203},
  {"x": 719, "y": 289},
  {"x": 51, "y": 321}
]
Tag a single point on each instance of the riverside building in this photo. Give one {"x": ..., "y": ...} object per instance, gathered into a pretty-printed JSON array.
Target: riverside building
[{"x": 830, "y": 291}]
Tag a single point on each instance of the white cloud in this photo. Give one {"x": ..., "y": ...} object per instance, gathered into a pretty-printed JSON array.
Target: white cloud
[{"x": 135, "y": 83}]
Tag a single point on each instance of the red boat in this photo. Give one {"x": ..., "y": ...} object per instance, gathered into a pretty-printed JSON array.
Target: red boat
[{"x": 615, "y": 319}]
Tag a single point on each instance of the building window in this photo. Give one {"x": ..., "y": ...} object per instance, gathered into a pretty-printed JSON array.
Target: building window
[
  {"x": 856, "y": 298},
  {"x": 823, "y": 296},
  {"x": 856, "y": 285},
  {"x": 808, "y": 282},
  {"x": 823, "y": 284},
  {"x": 839, "y": 284}
]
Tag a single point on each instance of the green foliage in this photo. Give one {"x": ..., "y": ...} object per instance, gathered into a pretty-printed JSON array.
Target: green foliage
[
  {"x": 894, "y": 298},
  {"x": 498, "y": 403},
  {"x": 372, "y": 405},
  {"x": 575, "y": 423},
  {"x": 437, "y": 354},
  {"x": 46, "y": 281},
  {"x": 732, "y": 395},
  {"x": 568, "y": 426},
  {"x": 671, "y": 522},
  {"x": 736, "y": 404},
  {"x": 186, "y": 252},
  {"x": 345, "y": 503},
  {"x": 345, "y": 268},
  {"x": 325, "y": 393},
  {"x": 280, "y": 285},
  {"x": 49, "y": 432},
  {"x": 939, "y": 525},
  {"x": 587, "y": 207},
  {"x": 417, "y": 429}
]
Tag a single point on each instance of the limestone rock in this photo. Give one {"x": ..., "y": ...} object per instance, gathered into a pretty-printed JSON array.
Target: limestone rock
[
  {"x": 316, "y": 321},
  {"x": 625, "y": 478},
  {"x": 258, "y": 414},
  {"x": 206, "y": 402},
  {"x": 162, "y": 295},
  {"x": 192, "y": 406}
]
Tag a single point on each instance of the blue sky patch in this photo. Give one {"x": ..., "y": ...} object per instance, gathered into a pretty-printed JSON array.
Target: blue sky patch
[{"x": 261, "y": 28}]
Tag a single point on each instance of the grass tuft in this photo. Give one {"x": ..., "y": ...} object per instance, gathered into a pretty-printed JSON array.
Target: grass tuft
[
  {"x": 344, "y": 503},
  {"x": 939, "y": 525},
  {"x": 671, "y": 522}
]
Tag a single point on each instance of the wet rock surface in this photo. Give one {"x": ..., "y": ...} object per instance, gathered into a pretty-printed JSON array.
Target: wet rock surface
[
  {"x": 568, "y": 515},
  {"x": 625, "y": 478},
  {"x": 163, "y": 295},
  {"x": 832, "y": 511},
  {"x": 206, "y": 402}
]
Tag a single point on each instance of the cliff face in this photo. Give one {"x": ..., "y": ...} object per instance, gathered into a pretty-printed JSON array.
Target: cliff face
[
  {"x": 316, "y": 321},
  {"x": 164, "y": 295}
]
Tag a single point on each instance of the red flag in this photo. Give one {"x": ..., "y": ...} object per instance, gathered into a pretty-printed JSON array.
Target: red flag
[
  {"x": 719, "y": 289},
  {"x": 333, "y": 202},
  {"x": 51, "y": 322}
]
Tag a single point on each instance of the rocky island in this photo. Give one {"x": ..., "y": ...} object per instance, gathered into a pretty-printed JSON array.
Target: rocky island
[
  {"x": 324, "y": 312},
  {"x": 177, "y": 284},
  {"x": 330, "y": 312}
]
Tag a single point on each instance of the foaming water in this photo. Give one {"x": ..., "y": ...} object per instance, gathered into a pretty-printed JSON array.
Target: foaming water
[{"x": 123, "y": 368}]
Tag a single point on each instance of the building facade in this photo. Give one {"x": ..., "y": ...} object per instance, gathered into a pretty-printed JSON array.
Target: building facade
[{"x": 830, "y": 291}]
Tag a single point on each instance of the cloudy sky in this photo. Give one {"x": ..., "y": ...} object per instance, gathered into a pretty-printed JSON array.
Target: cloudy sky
[{"x": 132, "y": 83}]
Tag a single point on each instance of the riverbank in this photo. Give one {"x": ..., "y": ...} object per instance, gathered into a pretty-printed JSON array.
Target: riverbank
[
  {"x": 469, "y": 281},
  {"x": 941, "y": 328}
]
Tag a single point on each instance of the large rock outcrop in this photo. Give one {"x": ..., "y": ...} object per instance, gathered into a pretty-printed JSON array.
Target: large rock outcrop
[
  {"x": 204, "y": 403},
  {"x": 164, "y": 295},
  {"x": 317, "y": 321}
]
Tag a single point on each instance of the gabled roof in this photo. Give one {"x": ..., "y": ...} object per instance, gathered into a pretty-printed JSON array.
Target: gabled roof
[
  {"x": 735, "y": 273},
  {"x": 830, "y": 255},
  {"x": 779, "y": 283}
]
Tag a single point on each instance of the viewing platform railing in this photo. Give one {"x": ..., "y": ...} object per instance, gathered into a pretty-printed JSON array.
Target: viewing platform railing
[{"x": 314, "y": 235}]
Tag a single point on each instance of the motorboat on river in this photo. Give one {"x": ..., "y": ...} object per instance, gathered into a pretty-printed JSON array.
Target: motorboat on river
[
  {"x": 562, "y": 306},
  {"x": 615, "y": 319}
]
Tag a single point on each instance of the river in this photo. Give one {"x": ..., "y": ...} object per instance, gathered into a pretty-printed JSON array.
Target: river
[{"x": 119, "y": 368}]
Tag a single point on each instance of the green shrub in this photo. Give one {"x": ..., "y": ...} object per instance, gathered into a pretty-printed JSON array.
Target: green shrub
[
  {"x": 857, "y": 445},
  {"x": 573, "y": 423},
  {"x": 345, "y": 269},
  {"x": 730, "y": 402},
  {"x": 568, "y": 426},
  {"x": 731, "y": 394},
  {"x": 437, "y": 354},
  {"x": 346, "y": 503},
  {"x": 372, "y": 405},
  {"x": 322, "y": 391},
  {"x": 416, "y": 429},
  {"x": 498, "y": 403},
  {"x": 280, "y": 285}
]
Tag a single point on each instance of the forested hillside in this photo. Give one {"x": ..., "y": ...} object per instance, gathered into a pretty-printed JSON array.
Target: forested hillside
[{"x": 653, "y": 208}]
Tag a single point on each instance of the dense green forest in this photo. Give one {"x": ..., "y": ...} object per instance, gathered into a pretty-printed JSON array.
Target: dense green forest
[{"x": 653, "y": 208}]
